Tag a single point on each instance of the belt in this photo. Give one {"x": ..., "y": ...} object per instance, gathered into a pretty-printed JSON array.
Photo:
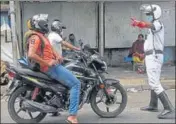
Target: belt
[{"x": 151, "y": 52}]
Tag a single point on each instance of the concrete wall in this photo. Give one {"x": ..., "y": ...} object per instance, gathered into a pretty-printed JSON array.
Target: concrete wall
[
  {"x": 119, "y": 33},
  {"x": 80, "y": 18},
  {"x": 115, "y": 57}
]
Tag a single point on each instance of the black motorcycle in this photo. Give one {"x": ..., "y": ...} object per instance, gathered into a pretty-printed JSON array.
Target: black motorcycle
[{"x": 36, "y": 94}]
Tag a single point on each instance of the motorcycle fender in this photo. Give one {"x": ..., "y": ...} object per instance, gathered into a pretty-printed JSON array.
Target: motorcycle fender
[
  {"x": 11, "y": 88},
  {"x": 106, "y": 82}
]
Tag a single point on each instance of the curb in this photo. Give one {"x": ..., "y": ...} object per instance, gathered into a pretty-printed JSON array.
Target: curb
[
  {"x": 138, "y": 84},
  {"x": 142, "y": 84}
]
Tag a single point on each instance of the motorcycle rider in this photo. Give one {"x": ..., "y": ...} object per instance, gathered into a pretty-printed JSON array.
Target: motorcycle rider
[
  {"x": 153, "y": 48},
  {"x": 55, "y": 37},
  {"x": 50, "y": 60},
  {"x": 56, "y": 40}
]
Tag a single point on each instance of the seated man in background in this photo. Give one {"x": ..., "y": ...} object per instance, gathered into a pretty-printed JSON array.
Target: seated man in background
[
  {"x": 137, "y": 50},
  {"x": 71, "y": 40}
]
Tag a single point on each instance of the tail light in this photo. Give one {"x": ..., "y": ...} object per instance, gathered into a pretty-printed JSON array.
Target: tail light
[{"x": 11, "y": 74}]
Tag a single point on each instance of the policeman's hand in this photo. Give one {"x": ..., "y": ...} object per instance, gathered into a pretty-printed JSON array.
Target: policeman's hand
[
  {"x": 52, "y": 63},
  {"x": 134, "y": 22}
]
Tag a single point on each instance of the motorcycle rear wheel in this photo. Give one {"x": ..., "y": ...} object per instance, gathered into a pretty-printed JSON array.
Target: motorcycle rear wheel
[{"x": 13, "y": 114}]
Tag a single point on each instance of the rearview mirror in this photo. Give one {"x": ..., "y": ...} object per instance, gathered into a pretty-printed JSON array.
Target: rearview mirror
[
  {"x": 64, "y": 38},
  {"x": 80, "y": 43}
]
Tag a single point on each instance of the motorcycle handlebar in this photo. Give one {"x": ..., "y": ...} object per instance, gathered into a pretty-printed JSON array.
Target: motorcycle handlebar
[{"x": 81, "y": 53}]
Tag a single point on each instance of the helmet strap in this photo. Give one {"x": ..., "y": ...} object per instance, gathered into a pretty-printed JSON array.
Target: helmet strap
[{"x": 153, "y": 9}]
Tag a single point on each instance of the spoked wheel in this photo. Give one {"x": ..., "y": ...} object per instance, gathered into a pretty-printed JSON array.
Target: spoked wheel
[
  {"x": 108, "y": 108},
  {"x": 16, "y": 110}
]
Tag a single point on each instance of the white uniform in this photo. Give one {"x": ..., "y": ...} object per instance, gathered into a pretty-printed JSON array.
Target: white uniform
[
  {"x": 154, "y": 62},
  {"x": 55, "y": 40}
]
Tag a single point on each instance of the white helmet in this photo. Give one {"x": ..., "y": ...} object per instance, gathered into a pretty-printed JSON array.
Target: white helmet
[{"x": 154, "y": 10}]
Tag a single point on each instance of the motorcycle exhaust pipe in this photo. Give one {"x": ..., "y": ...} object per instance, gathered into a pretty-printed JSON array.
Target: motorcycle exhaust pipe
[{"x": 35, "y": 106}]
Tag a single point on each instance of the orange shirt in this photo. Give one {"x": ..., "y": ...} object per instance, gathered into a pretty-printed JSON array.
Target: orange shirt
[{"x": 48, "y": 54}]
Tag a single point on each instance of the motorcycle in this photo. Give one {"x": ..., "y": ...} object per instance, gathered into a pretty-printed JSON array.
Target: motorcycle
[{"x": 37, "y": 94}]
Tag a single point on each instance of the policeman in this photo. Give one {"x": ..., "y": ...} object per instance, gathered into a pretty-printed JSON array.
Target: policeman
[{"x": 153, "y": 48}]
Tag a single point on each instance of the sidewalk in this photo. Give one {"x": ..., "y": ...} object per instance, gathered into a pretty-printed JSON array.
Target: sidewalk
[{"x": 131, "y": 79}]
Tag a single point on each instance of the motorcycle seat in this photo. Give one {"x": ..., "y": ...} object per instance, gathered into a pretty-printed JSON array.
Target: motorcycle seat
[{"x": 25, "y": 71}]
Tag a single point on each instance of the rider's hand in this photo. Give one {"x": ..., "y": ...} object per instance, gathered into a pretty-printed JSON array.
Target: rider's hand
[
  {"x": 76, "y": 48},
  {"x": 52, "y": 63},
  {"x": 60, "y": 59}
]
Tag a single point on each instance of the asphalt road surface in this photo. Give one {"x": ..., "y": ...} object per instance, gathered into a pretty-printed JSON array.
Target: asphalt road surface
[{"x": 131, "y": 114}]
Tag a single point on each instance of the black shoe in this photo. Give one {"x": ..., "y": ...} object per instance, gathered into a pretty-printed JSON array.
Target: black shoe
[
  {"x": 55, "y": 114},
  {"x": 153, "y": 105},
  {"x": 169, "y": 111}
]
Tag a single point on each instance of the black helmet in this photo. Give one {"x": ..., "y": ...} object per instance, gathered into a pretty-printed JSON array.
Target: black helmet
[
  {"x": 39, "y": 23},
  {"x": 57, "y": 26}
]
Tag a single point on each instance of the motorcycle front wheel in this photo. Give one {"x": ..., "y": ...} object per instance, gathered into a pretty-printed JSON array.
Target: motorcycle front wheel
[
  {"x": 15, "y": 114},
  {"x": 117, "y": 104}
]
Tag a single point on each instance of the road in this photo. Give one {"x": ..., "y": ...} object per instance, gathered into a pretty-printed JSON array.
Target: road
[{"x": 131, "y": 114}]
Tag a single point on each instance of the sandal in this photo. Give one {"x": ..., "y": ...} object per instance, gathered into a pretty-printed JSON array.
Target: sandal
[{"x": 72, "y": 122}]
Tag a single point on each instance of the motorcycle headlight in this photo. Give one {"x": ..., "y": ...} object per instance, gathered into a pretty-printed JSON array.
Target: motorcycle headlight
[{"x": 94, "y": 56}]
